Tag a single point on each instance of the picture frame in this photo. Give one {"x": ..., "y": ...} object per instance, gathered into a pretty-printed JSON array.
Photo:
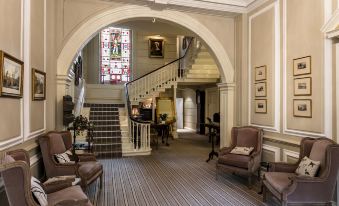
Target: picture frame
[
  {"x": 302, "y": 108},
  {"x": 260, "y": 73},
  {"x": 302, "y": 66},
  {"x": 261, "y": 106},
  {"x": 260, "y": 89},
  {"x": 38, "y": 85},
  {"x": 11, "y": 76},
  {"x": 303, "y": 86},
  {"x": 156, "y": 48}
]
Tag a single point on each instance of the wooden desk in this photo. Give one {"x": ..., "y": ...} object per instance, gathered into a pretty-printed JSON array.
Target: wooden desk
[
  {"x": 213, "y": 130},
  {"x": 163, "y": 131}
]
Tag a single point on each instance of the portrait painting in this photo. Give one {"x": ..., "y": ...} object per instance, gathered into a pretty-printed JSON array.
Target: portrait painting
[{"x": 156, "y": 48}]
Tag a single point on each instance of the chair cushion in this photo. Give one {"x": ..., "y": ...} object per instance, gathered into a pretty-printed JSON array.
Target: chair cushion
[
  {"x": 235, "y": 160},
  {"x": 56, "y": 143},
  {"x": 247, "y": 137},
  {"x": 89, "y": 169},
  {"x": 69, "y": 193},
  {"x": 242, "y": 150},
  {"x": 38, "y": 192},
  {"x": 63, "y": 157},
  {"x": 279, "y": 180},
  {"x": 318, "y": 152},
  {"x": 307, "y": 167}
]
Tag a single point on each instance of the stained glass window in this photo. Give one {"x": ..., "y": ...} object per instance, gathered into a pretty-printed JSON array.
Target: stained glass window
[{"x": 115, "y": 55}]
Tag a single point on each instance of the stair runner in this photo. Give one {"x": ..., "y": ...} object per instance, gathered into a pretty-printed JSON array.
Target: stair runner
[{"x": 107, "y": 134}]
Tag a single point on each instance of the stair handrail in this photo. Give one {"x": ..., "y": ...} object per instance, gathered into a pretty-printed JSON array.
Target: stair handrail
[
  {"x": 179, "y": 73},
  {"x": 139, "y": 130}
]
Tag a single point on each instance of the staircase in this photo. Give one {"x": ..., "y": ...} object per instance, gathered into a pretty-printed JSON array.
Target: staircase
[
  {"x": 107, "y": 140},
  {"x": 196, "y": 66},
  {"x": 203, "y": 69}
]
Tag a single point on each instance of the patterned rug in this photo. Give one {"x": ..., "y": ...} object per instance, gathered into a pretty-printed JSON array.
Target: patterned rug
[{"x": 173, "y": 175}]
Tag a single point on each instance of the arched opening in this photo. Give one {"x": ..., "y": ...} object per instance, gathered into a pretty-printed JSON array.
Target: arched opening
[
  {"x": 84, "y": 32},
  {"x": 117, "y": 15}
]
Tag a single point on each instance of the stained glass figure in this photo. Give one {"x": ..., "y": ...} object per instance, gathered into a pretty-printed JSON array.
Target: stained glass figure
[{"x": 115, "y": 55}]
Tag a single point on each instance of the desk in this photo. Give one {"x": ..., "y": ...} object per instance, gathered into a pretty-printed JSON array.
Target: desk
[
  {"x": 213, "y": 130},
  {"x": 163, "y": 131}
]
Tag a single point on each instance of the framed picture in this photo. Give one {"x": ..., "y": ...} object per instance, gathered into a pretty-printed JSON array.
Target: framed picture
[
  {"x": 156, "y": 48},
  {"x": 303, "y": 86},
  {"x": 260, "y": 73},
  {"x": 261, "y": 106},
  {"x": 302, "y": 108},
  {"x": 38, "y": 85},
  {"x": 302, "y": 66},
  {"x": 11, "y": 75},
  {"x": 260, "y": 89}
]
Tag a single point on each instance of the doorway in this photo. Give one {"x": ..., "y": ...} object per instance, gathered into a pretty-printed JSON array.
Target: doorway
[{"x": 180, "y": 112}]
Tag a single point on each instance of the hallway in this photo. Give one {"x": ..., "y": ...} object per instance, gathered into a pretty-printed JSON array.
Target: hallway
[{"x": 174, "y": 175}]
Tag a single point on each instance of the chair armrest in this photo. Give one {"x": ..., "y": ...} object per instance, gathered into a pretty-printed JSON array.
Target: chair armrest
[
  {"x": 86, "y": 157},
  {"x": 306, "y": 179},
  {"x": 225, "y": 150},
  {"x": 57, "y": 185},
  {"x": 282, "y": 167}
]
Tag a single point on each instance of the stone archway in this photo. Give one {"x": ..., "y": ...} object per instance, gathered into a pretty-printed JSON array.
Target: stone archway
[{"x": 86, "y": 30}]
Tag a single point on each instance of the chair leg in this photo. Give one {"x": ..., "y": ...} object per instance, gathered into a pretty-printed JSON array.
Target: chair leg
[
  {"x": 101, "y": 180},
  {"x": 250, "y": 181},
  {"x": 264, "y": 193}
]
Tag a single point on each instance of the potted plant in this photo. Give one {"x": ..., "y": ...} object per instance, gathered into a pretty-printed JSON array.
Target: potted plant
[{"x": 163, "y": 118}]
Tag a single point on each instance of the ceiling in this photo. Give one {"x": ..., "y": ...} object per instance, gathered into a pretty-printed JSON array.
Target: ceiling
[
  {"x": 237, "y": 6},
  {"x": 231, "y": 6}
]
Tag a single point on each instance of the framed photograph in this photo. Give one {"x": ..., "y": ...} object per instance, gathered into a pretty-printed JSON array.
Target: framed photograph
[
  {"x": 156, "y": 48},
  {"x": 260, "y": 89},
  {"x": 303, "y": 86},
  {"x": 261, "y": 106},
  {"x": 11, "y": 75},
  {"x": 38, "y": 85},
  {"x": 302, "y": 66},
  {"x": 302, "y": 108},
  {"x": 260, "y": 73}
]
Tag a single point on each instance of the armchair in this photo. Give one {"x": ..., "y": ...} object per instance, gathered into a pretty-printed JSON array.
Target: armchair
[
  {"x": 284, "y": 184},
  {"x": 87, "y": 168},
  {"x": 241, "y": 164},
  {"x": 15, "y": 171}
]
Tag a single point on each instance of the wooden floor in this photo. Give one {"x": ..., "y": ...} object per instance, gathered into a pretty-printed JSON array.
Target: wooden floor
[{"x": 174, "y": 175}]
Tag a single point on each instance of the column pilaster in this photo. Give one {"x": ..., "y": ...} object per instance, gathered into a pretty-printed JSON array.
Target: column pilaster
[{"x": 227, "y": 95}]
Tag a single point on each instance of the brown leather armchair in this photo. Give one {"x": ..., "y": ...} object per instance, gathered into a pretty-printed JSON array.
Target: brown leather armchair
[
  {"x": 289, "y": 188},
  {"x": 87, "y": 167},
  {"x": 241, "y": 164},
  {"x": 16, "y": 175}
]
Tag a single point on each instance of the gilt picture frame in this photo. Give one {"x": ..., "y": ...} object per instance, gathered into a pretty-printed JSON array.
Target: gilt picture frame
[
  {"x": 302, "y": 108},
  {"x": 303, "y": 86},
  {"x": 11, "y": 76},
  {"x": 156, "y": 48},
  {"x": 260, "y": 73},
  {"x": 302, "y": 66},
  {"x": 260, "y": 106},
  {"x": 38, "y": 85},
  {"x": 260, "y": 89}
]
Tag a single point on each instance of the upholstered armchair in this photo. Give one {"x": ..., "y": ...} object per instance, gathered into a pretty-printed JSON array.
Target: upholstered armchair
[
  {"x": 245, "y": 165},
  {"x": 15, "y": 171},
  {"x": 87, "y": 167},
  {"x": 289, "y": 188}
]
